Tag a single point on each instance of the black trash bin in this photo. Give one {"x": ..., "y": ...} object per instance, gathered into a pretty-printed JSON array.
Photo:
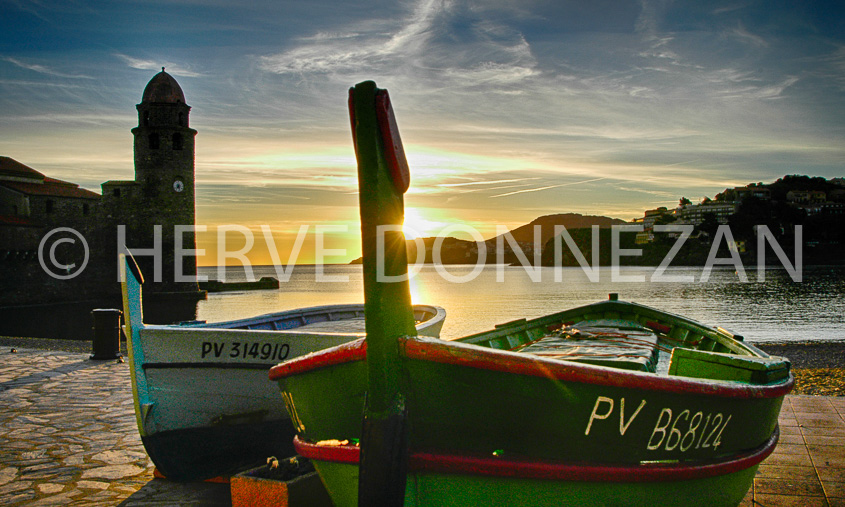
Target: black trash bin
[{"x": 106, "y": 342}]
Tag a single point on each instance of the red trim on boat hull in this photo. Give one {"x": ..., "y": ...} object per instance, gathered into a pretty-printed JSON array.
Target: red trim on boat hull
[
  {"x": 355, "y": 350},
  {"x": 471, "y": 356},
  {"x": 349, "y": 454},
  {"x": 460, "y": 354},
  {"x": 550, "y": 470}
]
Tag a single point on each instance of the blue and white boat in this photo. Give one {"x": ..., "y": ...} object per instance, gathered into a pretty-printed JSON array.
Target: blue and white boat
[{"x": 203, "y": 402}]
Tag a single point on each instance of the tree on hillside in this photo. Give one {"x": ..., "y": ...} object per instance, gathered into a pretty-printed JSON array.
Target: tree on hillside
[
  {"x": 709, "y": 225},
  {"x": 783, "y": 185}
]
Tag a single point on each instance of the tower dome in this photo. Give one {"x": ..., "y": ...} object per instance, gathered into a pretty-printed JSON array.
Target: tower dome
[{"x": 162, "y": 88}]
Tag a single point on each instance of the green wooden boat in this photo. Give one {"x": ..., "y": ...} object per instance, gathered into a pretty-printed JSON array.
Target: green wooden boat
[{"x": 611, "y": 403}]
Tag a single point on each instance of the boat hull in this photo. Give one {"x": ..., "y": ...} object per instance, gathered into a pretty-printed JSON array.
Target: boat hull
[
  {"x": 212, "y": 451},
  {"x": 201, "y": 411},
  {"x": 455, "y": 480},
  {"x": 689, "y": 435},
  {"x": 462, "y": 490},
  {"x": 203, "y": 403},
  {"x": 459, "y": 403}
]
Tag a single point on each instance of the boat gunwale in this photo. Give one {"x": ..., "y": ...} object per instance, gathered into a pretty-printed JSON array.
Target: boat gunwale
[
  {"x": 473, "y": 356},
  {"x": 434, "y": 313},
  {"x": 355, "y": 350},
  {"x": 187, "y": 330},
  {"x": 523, "y": 468},
  {"x": 485, "y": 358}
]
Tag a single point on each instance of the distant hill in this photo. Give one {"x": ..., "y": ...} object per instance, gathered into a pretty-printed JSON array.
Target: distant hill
[
  {"x": 459, "y": 251},
  {"x": 815, "y": 204},
  {"x": 547, "y": 223}
]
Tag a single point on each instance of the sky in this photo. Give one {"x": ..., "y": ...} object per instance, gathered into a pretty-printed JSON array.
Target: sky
[{"x": 508, "y": 110}]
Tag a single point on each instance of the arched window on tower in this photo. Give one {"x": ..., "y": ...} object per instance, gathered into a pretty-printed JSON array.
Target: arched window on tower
[
  {"x": 146, "y": 118},
  {"x": 177, "y": 141},
  {"x": 153, "y": 139},
  {"x": 182, "y": 122}
]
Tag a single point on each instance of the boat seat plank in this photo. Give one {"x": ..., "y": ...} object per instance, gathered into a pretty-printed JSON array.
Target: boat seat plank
[
  {"x": 607, "y": 342},
  {"x": 726, "y": 366},
  {"x": 336, "y": 326}
]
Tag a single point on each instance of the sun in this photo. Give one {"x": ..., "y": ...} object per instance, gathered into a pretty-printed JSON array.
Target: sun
[{"x": 416, "y": 225}]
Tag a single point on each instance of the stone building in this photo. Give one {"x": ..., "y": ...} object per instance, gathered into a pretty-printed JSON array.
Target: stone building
[
  {"x": 31, "y": 206},
  {"x": 145, "y": 214},
  {"x": 161, "y": 198}
]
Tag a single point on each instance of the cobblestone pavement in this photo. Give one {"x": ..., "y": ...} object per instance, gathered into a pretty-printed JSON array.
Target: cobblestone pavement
[{"x": 68, "y": 437}]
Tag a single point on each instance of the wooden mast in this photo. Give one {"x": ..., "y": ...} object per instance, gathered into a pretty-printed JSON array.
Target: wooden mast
[{"x": 382, "y": 180}]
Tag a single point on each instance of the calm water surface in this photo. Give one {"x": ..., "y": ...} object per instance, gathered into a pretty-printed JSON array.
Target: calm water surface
[{"x": 776, "y": 309}]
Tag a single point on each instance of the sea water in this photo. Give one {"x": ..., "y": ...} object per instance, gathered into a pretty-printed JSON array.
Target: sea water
[{"x": 770, "y": 306}]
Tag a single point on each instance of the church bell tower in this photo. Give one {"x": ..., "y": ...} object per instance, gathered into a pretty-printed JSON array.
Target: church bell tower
[{"x": 164, "y": 176}]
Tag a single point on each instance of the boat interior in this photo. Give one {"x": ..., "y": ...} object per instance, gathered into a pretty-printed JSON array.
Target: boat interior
[{"x": 629, "y": 336}]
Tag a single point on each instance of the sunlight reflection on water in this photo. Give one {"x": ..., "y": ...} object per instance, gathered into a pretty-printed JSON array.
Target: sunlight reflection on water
[{"x": 777, "y": 309}]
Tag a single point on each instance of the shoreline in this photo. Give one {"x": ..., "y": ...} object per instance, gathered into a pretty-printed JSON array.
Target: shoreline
[{"x": 819, "y": 367}]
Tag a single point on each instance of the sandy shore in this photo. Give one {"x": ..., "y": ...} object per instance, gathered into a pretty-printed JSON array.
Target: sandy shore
[{"x": 819, "y": 367}]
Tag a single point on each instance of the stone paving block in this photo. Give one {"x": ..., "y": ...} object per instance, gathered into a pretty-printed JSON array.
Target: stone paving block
[
  {"x": 60, "y": 499},
  {"x": 786, "y": 472},
  {"x": 112, "y": 472},
  {"x": 815, "y": 419},
  {"x": 790, "y": 430},
  {"x": 825, "y": 440},
  {"x": 834, "y": 489},
  {"x": 118, "y": 457},
  {"x": 789, "y": 501},
  {"x": 789, "y": 459},
  {"x": 16, "y": 498},
  {"x": 790, "y": 439},
  {"x": 829, "y": 431},
  {"x": 836, "y": 459},
  {"x": 812, "y": 404},
  {"x": 783, "y": 448},
  {"x": 787, "y": 487},
  {"x": 14, "y": 487},
  {"x": 49, "y": 488},
  {"x": 831, "y": 474},
  {"x": 7, "y": 474},
  {"x": 98, "y": 485}
]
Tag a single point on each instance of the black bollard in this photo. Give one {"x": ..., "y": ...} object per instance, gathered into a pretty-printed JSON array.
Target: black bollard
[{"x": 106, "y": 343}]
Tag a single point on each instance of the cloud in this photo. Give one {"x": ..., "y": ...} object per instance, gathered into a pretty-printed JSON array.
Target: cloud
[
  {"x": 538, "y": 189},
  {"x": 494, "y": 98},
  {"x": 770, "y": 91},
  {"x": 648, "y": 23},
  {"x": 172, "y": 68},
  {"x": 755, "y": 40},
  {"x": 438, "y": 42},
  {"x": 491, "y": 182},
  {"x": 42, "y": 69}
]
